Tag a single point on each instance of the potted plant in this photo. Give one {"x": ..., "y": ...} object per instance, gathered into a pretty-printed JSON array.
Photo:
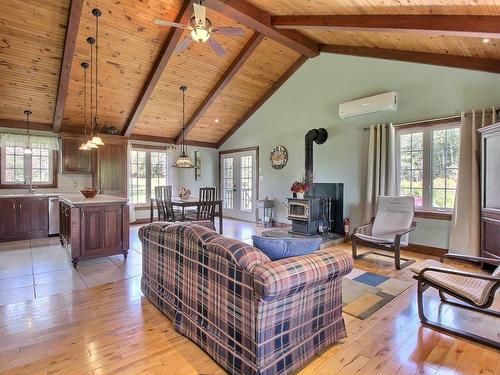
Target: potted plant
[{"x": 301, "y": 186}]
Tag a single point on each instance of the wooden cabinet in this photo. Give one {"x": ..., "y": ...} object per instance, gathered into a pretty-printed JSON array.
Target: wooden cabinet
[
  {"x": 111, "y": 167},
  {"x": 24, "y": 218},
  {"x": 8, "y": 219},
  {"x": 490, "y": 191},
  {"x": 92, "y": 231},
  {"x": 74, "y": 160}
]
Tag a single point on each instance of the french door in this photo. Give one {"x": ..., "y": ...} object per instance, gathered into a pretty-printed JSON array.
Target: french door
[{"x": 239, "y": 184}]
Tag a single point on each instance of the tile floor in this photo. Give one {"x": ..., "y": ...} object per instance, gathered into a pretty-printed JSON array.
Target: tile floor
[{"x": 39, "y": 268}]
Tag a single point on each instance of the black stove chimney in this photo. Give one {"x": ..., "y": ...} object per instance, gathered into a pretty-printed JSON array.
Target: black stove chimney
[{"x": 314, "y": 135}]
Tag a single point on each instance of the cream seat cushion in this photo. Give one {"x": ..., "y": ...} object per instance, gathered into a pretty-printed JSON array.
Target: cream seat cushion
[{"x": 475, "y": 290}]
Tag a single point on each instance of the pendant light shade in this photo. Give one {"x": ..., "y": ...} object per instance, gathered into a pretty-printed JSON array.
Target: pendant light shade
[
  {"x": 183, "y": 160},
  {"x": 97, "y": 141},
  {"x": 27, "y": 149},
  {"x": 91, "y": 145}
]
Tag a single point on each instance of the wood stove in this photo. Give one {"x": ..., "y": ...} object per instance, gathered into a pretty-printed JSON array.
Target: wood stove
[{"x": 305, "y": 215}]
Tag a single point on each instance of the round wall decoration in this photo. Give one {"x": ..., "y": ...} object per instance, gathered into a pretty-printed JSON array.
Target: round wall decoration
[{"x": 279, "y": 157}]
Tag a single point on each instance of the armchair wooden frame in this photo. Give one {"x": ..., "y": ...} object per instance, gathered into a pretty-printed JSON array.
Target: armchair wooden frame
[
  {"x": 393, "y": 247},
  {"x": 424, "y": 284}
]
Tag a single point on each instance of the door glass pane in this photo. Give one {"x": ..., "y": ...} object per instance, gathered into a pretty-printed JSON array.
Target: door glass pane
[
  {"x": 138, "y": 177},
  {"x": 246, "y": 183},
  {"x": 228, "y": 183},
  {"x": 158, "y": 170}
]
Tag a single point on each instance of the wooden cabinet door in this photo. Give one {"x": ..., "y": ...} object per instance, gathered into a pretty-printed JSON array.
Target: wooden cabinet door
[
  {"x": 101, "y": 229},
  {"x": 74, "y": 160},
  {"x": 112, "y": 169},
  {"x": 33, "y": 217},
  {"x": 8, "y": 219}
]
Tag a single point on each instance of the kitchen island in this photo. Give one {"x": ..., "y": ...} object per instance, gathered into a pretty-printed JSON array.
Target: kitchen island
[{"x": 93, "y": 227}]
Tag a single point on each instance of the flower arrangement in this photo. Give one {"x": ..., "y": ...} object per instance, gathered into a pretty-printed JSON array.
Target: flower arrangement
[{"x": 302, "y": 185}]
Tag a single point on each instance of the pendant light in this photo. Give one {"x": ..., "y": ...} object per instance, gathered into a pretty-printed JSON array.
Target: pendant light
[
  {"x": 183, "y": 160},
  {"x": 27, "y": 149},
  {"x": 91, "y": 42},
  {"x": 96, "y": 139},
  {"x": 83, "y": 146}
]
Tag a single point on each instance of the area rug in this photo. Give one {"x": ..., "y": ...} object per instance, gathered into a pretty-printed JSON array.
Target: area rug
[{"x": 364, "y": 293}]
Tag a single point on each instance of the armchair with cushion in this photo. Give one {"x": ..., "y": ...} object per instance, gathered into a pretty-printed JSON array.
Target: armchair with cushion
[
  {"x": 476, "y": 291},
  {"x": 388, "y": 230}
]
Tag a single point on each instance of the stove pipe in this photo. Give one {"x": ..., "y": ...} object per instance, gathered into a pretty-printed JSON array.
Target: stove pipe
[{"x": 314, "y": 135}]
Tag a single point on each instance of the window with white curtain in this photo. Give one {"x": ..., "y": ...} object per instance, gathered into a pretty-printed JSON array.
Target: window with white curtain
[
  {"x": 428, "y": 165},
  {"x": 148, "y": 169}
]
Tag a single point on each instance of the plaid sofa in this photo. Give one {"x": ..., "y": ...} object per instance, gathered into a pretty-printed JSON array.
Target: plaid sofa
[{"x": 251, "y": 314}]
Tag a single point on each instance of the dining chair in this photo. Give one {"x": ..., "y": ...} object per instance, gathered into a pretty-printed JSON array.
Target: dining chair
[
  {"x": 163, "y": 197},
  {"x": 206, "y": 206}
]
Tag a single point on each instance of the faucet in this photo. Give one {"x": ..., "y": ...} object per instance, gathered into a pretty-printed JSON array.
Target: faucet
[{"x": 28, "y": 181}]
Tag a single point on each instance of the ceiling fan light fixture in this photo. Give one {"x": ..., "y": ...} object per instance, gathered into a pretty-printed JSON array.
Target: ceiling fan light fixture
[{"x": 200, "y": 34}]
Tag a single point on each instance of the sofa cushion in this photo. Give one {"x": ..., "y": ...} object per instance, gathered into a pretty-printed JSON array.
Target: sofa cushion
[{"x": 279, "y": 248}]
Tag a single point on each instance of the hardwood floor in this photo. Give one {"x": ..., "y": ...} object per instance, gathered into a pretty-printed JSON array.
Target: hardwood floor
[{"x": 113, "y": 329}]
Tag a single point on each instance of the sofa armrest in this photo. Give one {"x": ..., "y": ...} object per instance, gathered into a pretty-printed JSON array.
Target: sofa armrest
[{"x": 288, "y": 276}]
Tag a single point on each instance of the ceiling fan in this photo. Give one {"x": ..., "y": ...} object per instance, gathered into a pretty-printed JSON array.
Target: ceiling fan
[{"x": 201, "y": 30}]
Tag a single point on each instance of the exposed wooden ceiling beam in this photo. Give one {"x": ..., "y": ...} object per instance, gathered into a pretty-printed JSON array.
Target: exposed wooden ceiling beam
[
  {"x": 151, "y": 138},
  {"x": 454, "y": 61},
  {"x": 290, "y": 71},
  {"x": 75, "y": 13},
  {"x": 260, "y": 21},
  {"x": 228, "y": 75},
  {"x": 21, "y": 124},
  {"x": 469, "y": 26},
  {"x": 166, "y": 52}
]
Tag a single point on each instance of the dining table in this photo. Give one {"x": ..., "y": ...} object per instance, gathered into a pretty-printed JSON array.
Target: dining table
[{"x": 185, "y": 203}]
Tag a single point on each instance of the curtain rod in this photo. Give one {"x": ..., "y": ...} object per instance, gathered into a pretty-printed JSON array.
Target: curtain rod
[{"x": 435, "y": 121}]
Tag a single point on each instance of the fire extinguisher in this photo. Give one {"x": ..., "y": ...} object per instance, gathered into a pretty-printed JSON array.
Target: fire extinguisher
[{"x": 347, "y": 224}]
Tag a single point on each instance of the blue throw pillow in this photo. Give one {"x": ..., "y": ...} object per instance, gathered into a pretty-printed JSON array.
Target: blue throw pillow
[{"x": 279, "y": 248}]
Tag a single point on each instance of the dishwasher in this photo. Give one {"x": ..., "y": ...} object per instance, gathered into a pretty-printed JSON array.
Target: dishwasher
[{"x": 53, "y": 216}]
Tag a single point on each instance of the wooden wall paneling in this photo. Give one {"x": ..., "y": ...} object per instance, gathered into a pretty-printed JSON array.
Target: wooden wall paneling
[
  {"x": 463, "y": 62},
  {"x": 167, "y": 51},
  {"x": 266, "y": 65},
  {"x": 228, "y": 75},
  {"x": 199, "y": 68},
  {"x": 430, "y": 24},
  {"x": 129, "y": 45},
  {"x": 320, "y": 7},
  {"x": 75, "y": 12},
  {"x": 260, "y": 21},
  {"x": 449, "y": 45},
  {"x": 31, "y": 45}
]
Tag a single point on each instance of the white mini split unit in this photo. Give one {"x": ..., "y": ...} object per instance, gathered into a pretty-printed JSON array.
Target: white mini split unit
[{"x": 376, "y": 103}]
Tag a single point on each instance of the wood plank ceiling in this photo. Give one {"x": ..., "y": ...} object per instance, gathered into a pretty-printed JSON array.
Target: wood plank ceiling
[{"x": 222, "y": 91}]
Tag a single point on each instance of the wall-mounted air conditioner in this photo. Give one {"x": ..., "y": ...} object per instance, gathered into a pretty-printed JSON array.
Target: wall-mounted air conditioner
[{"x": 376, "y": 103}]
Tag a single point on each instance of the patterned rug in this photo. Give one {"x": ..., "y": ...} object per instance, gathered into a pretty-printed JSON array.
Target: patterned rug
[{"x": 364, "y": 293}]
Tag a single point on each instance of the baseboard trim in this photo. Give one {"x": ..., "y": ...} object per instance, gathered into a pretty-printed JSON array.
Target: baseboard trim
[{"x": 424, "y": 249}]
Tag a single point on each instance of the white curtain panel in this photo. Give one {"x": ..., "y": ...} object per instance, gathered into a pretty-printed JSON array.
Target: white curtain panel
[
  {"x": 465, "y": 223},
  {"x": 51, "y": 143},
  {"x": 381, "y": 169}
]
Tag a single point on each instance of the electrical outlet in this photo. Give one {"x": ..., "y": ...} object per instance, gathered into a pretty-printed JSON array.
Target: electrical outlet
[{"x": 75, "y": 184}]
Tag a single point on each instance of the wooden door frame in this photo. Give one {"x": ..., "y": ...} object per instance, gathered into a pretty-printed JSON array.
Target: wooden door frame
[{"x": 257, "y": 170}]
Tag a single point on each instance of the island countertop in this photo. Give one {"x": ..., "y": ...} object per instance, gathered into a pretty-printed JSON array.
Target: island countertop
[{"x": 80, "y": 200}]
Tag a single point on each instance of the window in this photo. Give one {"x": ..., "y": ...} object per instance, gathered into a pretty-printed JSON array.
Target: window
[
  {"x": 428, "y": 165},
  {"x": 17, "y": 167},
  {"x": 148, "y": 169}
]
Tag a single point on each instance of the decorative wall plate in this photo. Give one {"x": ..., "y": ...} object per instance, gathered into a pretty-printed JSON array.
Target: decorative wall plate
[{"x": 279, "y": 157}]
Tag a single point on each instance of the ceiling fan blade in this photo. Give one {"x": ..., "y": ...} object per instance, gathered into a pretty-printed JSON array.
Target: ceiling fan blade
[
  {"x": 184, "y": 44},
  {"x": 168, "y": 23},
  {"x": 199, "y": 14},
  {"x": 216, "y": 47},
  {"x": 235, "y": 31}
]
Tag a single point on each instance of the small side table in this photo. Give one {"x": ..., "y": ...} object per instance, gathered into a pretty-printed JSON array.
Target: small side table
[{"x": 267, "y": 208}]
